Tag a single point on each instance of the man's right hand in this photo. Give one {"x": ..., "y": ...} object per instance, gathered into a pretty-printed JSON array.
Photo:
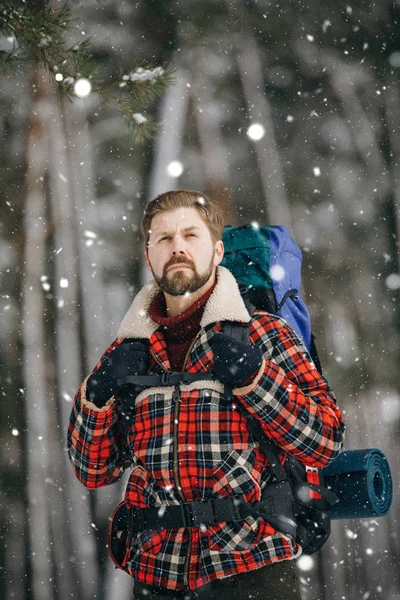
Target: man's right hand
[{"x": 129, "y": 358}]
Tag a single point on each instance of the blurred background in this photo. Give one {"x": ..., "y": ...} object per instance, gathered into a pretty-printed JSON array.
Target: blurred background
[{"x": 286, "y": 113}]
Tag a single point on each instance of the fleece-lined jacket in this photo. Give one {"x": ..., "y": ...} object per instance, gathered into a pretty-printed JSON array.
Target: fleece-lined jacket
[{"x": 188, "y": 443}]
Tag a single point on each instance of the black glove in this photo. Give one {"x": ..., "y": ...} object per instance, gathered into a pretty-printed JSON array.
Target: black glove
[
  {"x": 129, "y": 358},
  {"x": 234, "y": 361}
]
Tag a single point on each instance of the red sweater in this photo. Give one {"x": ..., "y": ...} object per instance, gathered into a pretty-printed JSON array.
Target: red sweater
[{"x": 179, "y": 331}]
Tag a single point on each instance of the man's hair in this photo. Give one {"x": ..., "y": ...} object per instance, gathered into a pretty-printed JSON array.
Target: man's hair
[{"x": 173, "y": 199}]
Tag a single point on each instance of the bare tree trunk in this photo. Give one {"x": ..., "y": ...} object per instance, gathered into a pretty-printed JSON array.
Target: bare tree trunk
[
  {"x": 68, "y": 341},
  {"x": 169, "y": 142},
  {"x": 64, "y": 569},
  {"x": 251, "y": 73},
  {"x": 13, "y": 578},
  {"x": 343, "y": 84},
  {"x": 34, "y": 344},
  {"x": 79, "y": 150},
  {"x": 213, "y": 151}
]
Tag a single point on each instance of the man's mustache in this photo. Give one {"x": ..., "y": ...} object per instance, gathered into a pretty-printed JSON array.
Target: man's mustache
[{"x": 178, "y": 261}]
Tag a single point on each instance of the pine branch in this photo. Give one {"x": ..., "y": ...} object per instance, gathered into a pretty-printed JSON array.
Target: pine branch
[
  {"x": 40, "y": 32},
  {"x": 11, "y": 61},
  {"x": 145, "y": 82},
  {"x": 38, "y": 36}
]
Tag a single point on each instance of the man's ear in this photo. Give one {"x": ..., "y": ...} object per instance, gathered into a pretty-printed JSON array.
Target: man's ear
[
  {"x": 218, "y": 252},
  {"x": 146, "y": 258}
]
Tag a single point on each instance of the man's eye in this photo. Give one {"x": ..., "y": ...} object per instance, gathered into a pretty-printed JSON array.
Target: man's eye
[
  {"x": 166, "y": 237},
  {"x": 192, "y": 234}
]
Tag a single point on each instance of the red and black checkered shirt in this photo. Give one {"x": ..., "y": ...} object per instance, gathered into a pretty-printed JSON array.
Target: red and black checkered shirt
[{"x": 190, "y": 444}]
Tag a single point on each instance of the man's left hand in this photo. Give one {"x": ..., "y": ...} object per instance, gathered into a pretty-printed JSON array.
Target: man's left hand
[{"x": 234, "y": 361}]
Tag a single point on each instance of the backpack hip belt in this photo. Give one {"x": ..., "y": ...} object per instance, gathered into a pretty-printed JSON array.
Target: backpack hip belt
[{"x": 276, "y": 507}]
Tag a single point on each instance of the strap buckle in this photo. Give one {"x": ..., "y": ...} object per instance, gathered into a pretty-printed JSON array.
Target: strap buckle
[
  {"x": 170, "y": 378},
  {"x": 203, "y": 513},
  {"x": 198, "y": 513}
]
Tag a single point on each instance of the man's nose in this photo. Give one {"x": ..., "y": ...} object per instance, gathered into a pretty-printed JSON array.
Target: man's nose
[{"x": 177, "y": 246}]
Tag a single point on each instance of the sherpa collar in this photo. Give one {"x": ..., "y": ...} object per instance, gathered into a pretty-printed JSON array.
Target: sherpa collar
[{"x": 224, "y": 304}]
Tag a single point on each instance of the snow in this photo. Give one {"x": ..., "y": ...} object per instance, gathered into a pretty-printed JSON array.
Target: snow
[
  {"x": 139, "y": 118},
  {"x": 256, "y": 131},
  {"x": 305, "y": 562},
  {"x": 90, "y": 234},
  {"x": 66, "y": 397},
  {"x": 327, "y": 23},
  {"x": 351, "y": 535},
  {"x": 82, "y": 88},
  {"x": 393, "y": 281},
  {"x": 277, "y": 272},
  {"x": 175, "y": 168},
  {"x": 394, "y": 59},
  {"x": 390, "y": 407},
  {"x": 144, "y": 74}
]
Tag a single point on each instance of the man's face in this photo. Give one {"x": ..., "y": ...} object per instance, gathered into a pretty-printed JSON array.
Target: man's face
[{"x": 181, "y": 254}]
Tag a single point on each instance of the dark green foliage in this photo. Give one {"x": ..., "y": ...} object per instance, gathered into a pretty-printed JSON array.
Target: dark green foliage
[{"x": 39, "y": 33}]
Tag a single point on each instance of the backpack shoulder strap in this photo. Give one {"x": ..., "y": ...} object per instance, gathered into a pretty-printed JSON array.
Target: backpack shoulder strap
[{"x": 241, "y": 332}]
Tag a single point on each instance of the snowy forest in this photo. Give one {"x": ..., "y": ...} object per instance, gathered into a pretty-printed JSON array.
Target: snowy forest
[{"x": 287, "y": 113}]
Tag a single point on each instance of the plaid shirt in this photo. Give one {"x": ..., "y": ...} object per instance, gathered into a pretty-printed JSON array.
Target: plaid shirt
[{"x": 188, "y": 443}]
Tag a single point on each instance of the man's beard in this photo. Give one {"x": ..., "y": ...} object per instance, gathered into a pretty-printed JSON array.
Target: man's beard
[{"x": 184, "y": 281}]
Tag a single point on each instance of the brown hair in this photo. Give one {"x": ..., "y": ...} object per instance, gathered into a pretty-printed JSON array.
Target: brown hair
[{"x": 207, "y": 208}]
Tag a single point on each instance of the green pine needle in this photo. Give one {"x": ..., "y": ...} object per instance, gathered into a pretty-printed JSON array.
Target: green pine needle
[{"x": 39, "y": 37}]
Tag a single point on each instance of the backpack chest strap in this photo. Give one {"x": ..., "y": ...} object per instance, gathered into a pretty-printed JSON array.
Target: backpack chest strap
[{"x": 165, "y": 379}]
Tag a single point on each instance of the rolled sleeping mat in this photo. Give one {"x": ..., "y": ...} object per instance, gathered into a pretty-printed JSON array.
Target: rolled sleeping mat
[{"x": 362, "y": 481}]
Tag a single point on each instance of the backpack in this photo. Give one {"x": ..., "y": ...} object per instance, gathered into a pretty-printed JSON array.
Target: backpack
[{"x": 266, "y": 263}]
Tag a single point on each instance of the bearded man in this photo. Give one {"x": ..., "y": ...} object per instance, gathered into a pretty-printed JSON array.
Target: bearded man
[{"x": 195, "y": 470}]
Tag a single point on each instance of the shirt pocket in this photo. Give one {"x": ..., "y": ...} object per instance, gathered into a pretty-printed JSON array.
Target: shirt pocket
[
  {"x": 239, "y": 474},
  {"x": 142, "y": 489}
]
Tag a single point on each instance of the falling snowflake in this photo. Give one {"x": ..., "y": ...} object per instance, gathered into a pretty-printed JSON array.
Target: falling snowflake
[
  {"x": 175, "y": 168},
  {"x": 277, "y": 273},
  {"x": 256, "y": 131}
]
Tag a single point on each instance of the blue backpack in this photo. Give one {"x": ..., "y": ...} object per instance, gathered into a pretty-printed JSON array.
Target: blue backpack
[{"x": 267, "y": 262}]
